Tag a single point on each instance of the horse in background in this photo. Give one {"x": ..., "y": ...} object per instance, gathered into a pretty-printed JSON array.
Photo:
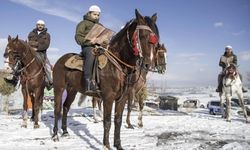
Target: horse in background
[
  {"x": 137, "y": 93},
  {"x": 96, "y": 101},
  {"x": 24, "y": 58},
  {"x": 134, "y": 44},
  {"x": 138, "y": 90},
  {"x": 231, "y": 85}
]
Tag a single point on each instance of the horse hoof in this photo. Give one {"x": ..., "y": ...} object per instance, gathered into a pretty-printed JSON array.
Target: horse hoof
[
  {"x": 105, "y": 147},
  {"x": 96, "y": 121},
  {"x": 130, "y": 126},
  {"x": 55, "y": 138},
  {"x": 24, "y": 126},
  {"x": 228, "y": 120},
  {"x": 140, "y": 125},
  {"x": 65, "y": 134},
  {"x": 118, "y": 147},
  {"x": 36, "y": 126}
]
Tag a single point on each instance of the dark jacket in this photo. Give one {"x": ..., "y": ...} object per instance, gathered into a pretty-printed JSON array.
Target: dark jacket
[
  {"x": 226, "y": 60},
  {"x": 83, "y": 28},
  {"x": 40, "y": 41}
]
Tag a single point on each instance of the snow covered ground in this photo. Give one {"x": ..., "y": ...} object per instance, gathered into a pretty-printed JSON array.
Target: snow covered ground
[
  {"x": 191, "y": 129},
  {"x": 162, "y": 130}
]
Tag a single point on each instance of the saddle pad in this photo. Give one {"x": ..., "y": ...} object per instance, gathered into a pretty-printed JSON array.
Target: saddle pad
[{"x": 76, "y": 62}]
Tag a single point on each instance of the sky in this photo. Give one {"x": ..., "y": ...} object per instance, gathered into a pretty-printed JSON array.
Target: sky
[{"x": 195, "y": 32}]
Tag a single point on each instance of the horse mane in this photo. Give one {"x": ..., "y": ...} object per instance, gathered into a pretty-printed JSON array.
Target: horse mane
[
  {"x": 30, "y": 48},
  {"x": 152, "y": 25},
  {"x": 122, "y": 31}
]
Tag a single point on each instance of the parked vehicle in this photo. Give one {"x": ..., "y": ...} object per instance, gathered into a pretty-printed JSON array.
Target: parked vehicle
[
  {"x": 214, "y": 107},
  {"x": 191, "y": 103}
]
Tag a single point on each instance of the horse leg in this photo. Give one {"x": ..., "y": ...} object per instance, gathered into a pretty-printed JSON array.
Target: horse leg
[
  {"x": 99, "y": 102},
  {"x": 94, "y": 101},
  {"x": 228, "y": 109},
  {"x": 119, "y": 107},
  {"x": 241, "y": 101},
  {"x": 33, "y": 106},
  {"x": 37, "y": 106},
  {"x": 57, "y": 111},
  {"x": 107, "y": 110},
  {"x": 71, "y": 94},
  {"x": 141, "y": 105},
  {"x": 130, "y": 97},
  {"x": 25, "y": 107},
  {"x": 223, "y": 115},
  {"x": 81, "y": 99}
]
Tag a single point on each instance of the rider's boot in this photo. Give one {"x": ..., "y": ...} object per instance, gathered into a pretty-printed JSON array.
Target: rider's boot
[
  {"x": 48, "y": 79},
  {"x": 91, "y": 87}
]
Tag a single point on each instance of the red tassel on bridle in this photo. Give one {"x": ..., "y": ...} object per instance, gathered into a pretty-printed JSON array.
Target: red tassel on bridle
[
  {"x": 135, "y": 48},
  {"x": 153, "y": 39}
]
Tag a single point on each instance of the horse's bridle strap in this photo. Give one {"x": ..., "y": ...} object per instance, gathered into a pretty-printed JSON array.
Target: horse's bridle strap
[{"x": 143, "y": 27}]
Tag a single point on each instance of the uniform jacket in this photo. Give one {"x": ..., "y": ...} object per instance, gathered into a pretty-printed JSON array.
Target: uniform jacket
[
  {"x": 83, "y": 28},
  {"x": 40, "y": 41}
]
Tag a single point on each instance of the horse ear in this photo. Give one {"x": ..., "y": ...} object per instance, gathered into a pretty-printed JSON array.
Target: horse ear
[
  {"x": 154, "y": 17},
  {"x": 139, "y": 17},
  {"x": 9, "y": 38},
  {"x": 16, "y": 39}
]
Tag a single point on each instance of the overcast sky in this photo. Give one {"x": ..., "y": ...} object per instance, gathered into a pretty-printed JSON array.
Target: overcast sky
[{"x": 195, "y": 32}]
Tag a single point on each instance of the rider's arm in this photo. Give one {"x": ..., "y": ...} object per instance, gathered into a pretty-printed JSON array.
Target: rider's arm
[
  {"x": 222, "y": 63},
  {"x": 81, "y": 34}
]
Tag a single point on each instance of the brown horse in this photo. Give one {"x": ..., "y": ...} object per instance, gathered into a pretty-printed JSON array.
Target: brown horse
[
  {"x": 133, "y": 45},
  {"x": 137, "y": 90},
  {"x": 32, "y": 76}
]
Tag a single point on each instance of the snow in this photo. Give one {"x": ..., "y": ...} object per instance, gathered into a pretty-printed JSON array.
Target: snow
[{"x": 187, "y": 130}]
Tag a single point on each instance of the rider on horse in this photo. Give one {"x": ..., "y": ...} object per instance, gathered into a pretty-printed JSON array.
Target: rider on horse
[
  {"x": 39, "y": 40},
  {"x": 89, "y": 20},
  {"x": 225, "y": 60}
]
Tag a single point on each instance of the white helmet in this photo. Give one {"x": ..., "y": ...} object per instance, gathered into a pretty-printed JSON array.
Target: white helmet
[
  {"x": 229, "y": 47},
  {"x": 40, "y": 22},
  {"x": 94, "y": 8}
]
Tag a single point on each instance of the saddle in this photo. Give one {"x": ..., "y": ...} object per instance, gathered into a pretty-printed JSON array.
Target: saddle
[{"x": 76, "y": 62}]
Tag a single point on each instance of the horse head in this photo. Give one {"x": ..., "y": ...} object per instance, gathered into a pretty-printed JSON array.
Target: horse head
[
  {"x": 16, "y": 51},
  {"x": 231, "y": 71},
  {"x": 12, "y": 50},
  {"x": 148, "y": 38},
  {"x": 137, "y": 41}
]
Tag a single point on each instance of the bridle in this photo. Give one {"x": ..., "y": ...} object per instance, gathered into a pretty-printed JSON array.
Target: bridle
[
  {"x": 18, "y": 61},
  {"x": 135, "y": 46}
]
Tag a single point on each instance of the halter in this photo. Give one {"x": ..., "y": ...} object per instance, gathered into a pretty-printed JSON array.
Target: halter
[
  {"x": 136, "y": 45},
  {"x": 18, "y": 61}
]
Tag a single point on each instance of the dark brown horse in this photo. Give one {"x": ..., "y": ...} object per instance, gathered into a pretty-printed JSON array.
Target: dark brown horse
[
  {"x": 134, "y": 44},
  {"x": 32, "y": 76}
]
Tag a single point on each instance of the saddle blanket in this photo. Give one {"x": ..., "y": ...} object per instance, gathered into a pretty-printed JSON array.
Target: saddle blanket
[{"x": 76, "y": 62}]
